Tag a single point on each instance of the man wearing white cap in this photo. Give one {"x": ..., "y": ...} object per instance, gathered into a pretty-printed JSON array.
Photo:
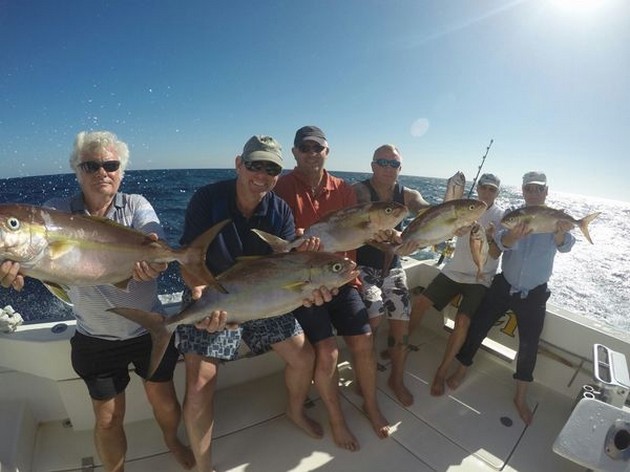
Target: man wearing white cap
[
  {"x": 461, "y": 276},
  {"x": 522, "y": 287}
]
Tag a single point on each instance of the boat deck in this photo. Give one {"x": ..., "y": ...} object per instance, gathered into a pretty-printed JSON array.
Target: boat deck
[{"x": 475, "y": 428}]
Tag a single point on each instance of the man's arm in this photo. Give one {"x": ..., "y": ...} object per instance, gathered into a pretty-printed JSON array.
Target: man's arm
[
  {"x": 362, "y": 193},
  {"x": 414, "y": 201}
]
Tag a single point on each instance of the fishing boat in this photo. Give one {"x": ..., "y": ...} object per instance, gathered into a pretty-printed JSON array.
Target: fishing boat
[{"x": 579, "y": 397}]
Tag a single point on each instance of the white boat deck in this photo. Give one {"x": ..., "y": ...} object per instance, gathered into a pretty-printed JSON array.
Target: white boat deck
[{"x": 475, "y": 428}]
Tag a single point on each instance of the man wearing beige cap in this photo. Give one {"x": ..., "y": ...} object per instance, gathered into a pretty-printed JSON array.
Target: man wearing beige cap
[
  {"x": 462, "y": 276},
  {"x": 248, "y": 203},
  {"x": 522, "y": 287}
]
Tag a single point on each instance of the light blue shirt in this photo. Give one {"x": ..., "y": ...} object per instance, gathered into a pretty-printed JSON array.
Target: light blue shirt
[{"x": 529, "y": 262}]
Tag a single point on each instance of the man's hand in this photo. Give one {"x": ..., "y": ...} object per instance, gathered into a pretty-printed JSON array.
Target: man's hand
[
  {"x": 144, "y": 271},
  {"x": 311, "y": 244},
  {"x": 10, "y": 276},
  {"x": 562, "y": 227},
  {"x": 518, "y": 232},
  {"x": 217, "y": 321},
  {"x": 320, "y": 296},
  {"x": 388, "y": 236}
]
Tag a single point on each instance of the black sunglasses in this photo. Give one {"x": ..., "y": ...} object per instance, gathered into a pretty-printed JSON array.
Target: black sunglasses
[
  {"x": 269, "y": 167},
  {"x": 388, "y": 162},
  {"x": 90, "y": 167},
  {"x": 306, "y": 148}
]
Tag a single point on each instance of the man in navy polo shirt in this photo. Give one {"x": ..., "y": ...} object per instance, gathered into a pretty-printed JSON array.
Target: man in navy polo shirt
[{"x": 249, "y": 203}]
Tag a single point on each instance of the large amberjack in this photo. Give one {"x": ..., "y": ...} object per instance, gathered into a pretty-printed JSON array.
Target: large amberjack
[
  {"x": 439, "y": 223},
  {"x": 543, "y": 219},
  {"x": 256, "y": 288},
  {"x": 62, "y": 249},
  {"x": 345, "y": 229}
]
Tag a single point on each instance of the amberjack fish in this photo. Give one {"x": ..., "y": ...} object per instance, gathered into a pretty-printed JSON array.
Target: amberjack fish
[
  {"x": 543, "y": 219},
  {"x": 256, "y": 288},
  {"x": 62, "y": 249},
  {"x": 439, "y": 223},
  {"x": 479, "y": 248},
  {"x": 345, "y": 229}
]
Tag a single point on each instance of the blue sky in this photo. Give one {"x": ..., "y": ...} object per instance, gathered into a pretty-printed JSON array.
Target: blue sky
[{"x": 186, "y": 83}]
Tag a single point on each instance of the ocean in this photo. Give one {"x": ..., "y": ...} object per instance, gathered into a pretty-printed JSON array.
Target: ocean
[{"x": 592, "y": 280}]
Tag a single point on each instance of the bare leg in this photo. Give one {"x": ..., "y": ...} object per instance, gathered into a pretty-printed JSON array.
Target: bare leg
[
  {"x": 454, "y": 344},
  {"x": 201, "y": 378},
  {"x": 167, "y": 412},
  {"x": 457, "y": 377},
  {"x": 300, "y": 359},
  {"x": 327, "y": 382},
  {"x": 398, "y": 354},
  {"x": 109, "y": 434},
  {"x": 364, "y": 363},
  {"x": 520, "y": 401},
  {"x": 420, "y": 306}
]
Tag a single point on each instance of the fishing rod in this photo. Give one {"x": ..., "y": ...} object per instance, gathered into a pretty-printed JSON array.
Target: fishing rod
[
  {"x": 483, "y": 159},
  {"x": 472, "y": 187}
]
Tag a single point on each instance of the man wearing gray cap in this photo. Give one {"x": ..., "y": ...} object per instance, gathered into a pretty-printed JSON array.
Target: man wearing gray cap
[
  {"x": 463, "y": 275},
  {"x": 521, "y": 287},
  {"x": 248, "y": 203}
]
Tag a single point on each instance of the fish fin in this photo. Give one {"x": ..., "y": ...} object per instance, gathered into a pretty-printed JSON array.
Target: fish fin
[
  {"x": 584, "y": 222},
  {"x": 123, "y": 284},
  {"x": 276, "y": 243},
  {"x": 59, "y": 292},
  {"x": 295, "y": 286},
  {"x": 58, "y": 249},
  {"x": 160, "y": 332},
  {"x": 194, "y": 259}
]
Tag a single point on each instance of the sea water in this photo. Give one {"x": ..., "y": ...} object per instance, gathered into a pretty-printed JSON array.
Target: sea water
[{"x": 592, "y": 280}]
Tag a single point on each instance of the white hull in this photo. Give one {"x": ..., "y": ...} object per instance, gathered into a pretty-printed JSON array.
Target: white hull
[{"x": 46, "y": 416}]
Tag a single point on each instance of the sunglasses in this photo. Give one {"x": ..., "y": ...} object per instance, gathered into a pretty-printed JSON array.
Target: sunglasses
[
  {"x": 91, "y": 167},
  {"x": 534, "y": 188},
  {"x": 393, "y": 163},
  {"x": 305, "y": 148},
  {"x": 269, "y": 167}
]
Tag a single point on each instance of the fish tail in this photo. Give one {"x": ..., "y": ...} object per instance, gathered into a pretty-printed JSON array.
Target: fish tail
[
  {"x": 389, "y": 252},
  {"x": 157, "y": 327},
  {"x": 193, "y": 257},
  {"x": 276, "y": 243},
  {"x": 584, "y": 222}
]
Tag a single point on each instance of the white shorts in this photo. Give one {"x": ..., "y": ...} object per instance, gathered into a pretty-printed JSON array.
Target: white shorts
[{"x": 386, "y": 296}]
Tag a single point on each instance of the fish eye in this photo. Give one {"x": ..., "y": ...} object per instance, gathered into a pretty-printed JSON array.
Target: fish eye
[
  {"x": 336, "y": 267},
  {"x": 388, "y": 210},
  {"x": 13, "y": 223}
]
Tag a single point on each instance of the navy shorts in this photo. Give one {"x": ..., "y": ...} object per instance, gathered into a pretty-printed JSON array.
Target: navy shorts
[
  {"x": 346, "y": 312},
  {"x": 104, "y": 365},
  {"x": 442, "y": 290}
]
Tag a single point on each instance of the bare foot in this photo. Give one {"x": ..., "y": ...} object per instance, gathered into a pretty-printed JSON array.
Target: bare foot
[
  {"x": 523, "y": 411},
  {"x": 343, "y": 437},
  {"x": 308, "y": 425},
  {"x": 402, "y": 393},
  {"x": 457, "y": 377},
  {"x": 182, "y": 454},
  {"x": 437, "y": 386},
  {"x": 379, "y": 423}
]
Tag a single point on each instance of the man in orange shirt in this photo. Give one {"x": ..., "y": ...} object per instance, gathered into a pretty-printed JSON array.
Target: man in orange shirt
[{"x": 312, "y": 192}]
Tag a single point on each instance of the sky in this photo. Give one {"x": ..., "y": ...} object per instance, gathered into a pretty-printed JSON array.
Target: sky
[{"x": 186, "y": 83}]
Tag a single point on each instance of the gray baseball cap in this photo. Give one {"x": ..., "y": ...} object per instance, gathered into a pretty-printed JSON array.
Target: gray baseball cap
[{"x": 262, "y": 148}]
